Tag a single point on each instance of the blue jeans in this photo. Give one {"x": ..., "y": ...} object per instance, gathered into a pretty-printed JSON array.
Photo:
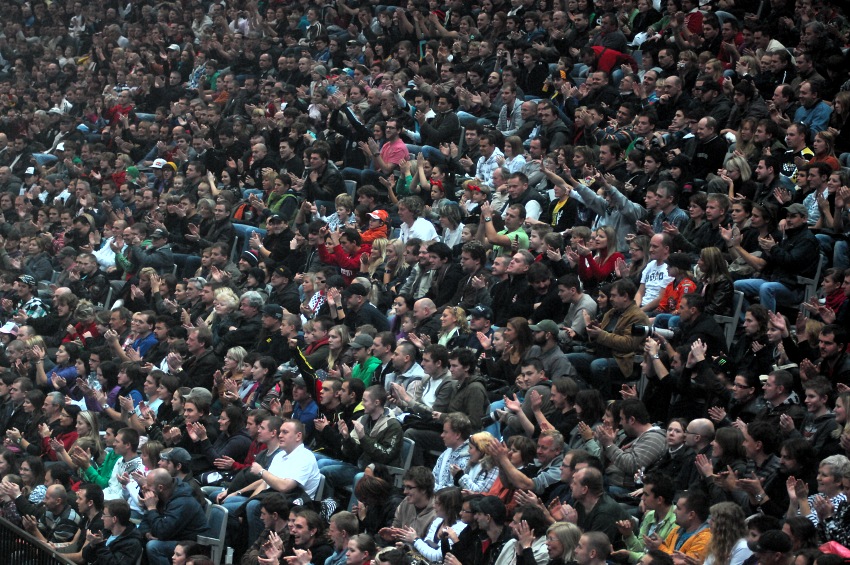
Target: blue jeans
[
  {"x": 188, "y": 263},
  {"x": 841, "y": 255},
  {"x": 361, "y": 177},
  {"x": 339, "y": 475},
  {"x": 596, "y": 371},
  {"x": 666, "y": 321},
  {"x": 431, "y": 153},
  {"x": 352, "y": 503},
  {"x": 244, "y": 231},
  {"x": 252, "y": 514},
  {"x": 770, "y": 293},
  {"x": 495, "y": 428},
  {"x": 160, "y": 552}
]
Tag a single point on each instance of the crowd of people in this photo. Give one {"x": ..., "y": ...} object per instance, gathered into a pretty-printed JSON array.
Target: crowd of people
[{"x": 532, "y": 282}]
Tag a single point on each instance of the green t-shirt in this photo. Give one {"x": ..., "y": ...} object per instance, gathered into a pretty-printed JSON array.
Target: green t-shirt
[{"x": 519, "y": 234}]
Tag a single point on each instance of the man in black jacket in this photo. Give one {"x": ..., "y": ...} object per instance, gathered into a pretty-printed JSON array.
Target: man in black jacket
[
  {"x": 88, "y": 281},
  {"x": 198, "y": 369},
  {"x": 797, "y": 254},
  {"x": 513, "y": 297},
  {"x": 427, "y": 319},
  {"x": 447, "y": 273},
  {"x": 359, "y": 311},
  {"x": 324, "y": 181},
  {"x": 272, "y": 340},
  {"x": 696, "y": 324},
  {"x": 127, "y": 544},
  {"x": 285, "y": 290}
]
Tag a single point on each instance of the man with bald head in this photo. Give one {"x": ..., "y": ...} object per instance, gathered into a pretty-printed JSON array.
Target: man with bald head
[
  {"x": 8, "y": 182},
  {"x": 671, "y": 97},
  {"x": 5, "y": 158},
  {"x": 698, "y": 437},
  {"x": 59, "y": 522},
  {"x": 427, "y": 319},
  {"x": 260, "y": 159},
  {"x": 171, "y": 514}
]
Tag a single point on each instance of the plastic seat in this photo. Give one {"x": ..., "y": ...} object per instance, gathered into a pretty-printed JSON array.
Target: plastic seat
[
  {"x": 730, "y": 323},
  {"x": 217, "y": 524}
]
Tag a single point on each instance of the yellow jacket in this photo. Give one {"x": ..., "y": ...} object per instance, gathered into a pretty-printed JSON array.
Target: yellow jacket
[{"x": 695, "y": 546}]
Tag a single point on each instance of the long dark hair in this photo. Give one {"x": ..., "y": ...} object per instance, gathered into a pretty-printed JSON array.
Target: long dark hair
[
  {"x": 591, "y": 404},
  {"x": 134, "y": 373},
  {"x": 237, "y": 418},
  {"x": 730, "y": 441},
  {"x": 36, "y": 469},
  {"x": 109, "y": 370}
]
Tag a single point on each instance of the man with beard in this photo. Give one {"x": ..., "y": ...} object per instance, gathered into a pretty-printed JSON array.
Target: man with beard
[
  {"x": 797, "y": 459},
  {"x": 554, "y": 361}
]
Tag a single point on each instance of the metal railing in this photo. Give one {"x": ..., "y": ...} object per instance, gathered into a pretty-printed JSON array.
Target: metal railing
[{"x": 19, "y": 547}]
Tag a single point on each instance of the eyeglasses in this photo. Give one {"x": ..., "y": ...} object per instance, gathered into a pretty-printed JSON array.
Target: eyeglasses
[
  {"x": 739, "y": 385},
  {"x": 687, "y": 433},
  {"x": 409, "y": 487},
  {"x": 467, "y": 512}
]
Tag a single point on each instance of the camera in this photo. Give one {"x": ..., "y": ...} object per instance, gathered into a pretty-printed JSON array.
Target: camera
[{"x": 649, "y": 331}]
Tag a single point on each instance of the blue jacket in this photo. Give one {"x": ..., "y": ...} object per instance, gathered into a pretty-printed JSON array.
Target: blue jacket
[
  {"x": 816, "y": 117},
  {"x": 180, "y": 518}
]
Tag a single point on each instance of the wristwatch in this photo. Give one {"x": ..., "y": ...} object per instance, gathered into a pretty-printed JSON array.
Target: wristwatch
[
  {"x": 656, "y": 356},
  {"x": 487, "y": 218},
  {"x": 759, "y": 497}
]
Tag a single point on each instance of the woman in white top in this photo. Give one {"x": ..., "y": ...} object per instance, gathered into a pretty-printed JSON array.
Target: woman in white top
[
  {"x": 728, "y": 545},
  {"x": 514, "y": 158},
  {"x": 450, "y": 220}
]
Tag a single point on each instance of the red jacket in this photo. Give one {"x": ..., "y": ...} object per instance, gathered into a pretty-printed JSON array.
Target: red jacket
[
  {"x": 67, "y": 440},
  {"x": 255, "y": 448},
  {"x": 349, "y": 265}
]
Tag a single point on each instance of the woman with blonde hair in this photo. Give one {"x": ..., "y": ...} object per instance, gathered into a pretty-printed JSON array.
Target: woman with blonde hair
[
  {"x": 225, "y": 305},
  {"x": 597, "y": 261},
  {"x": 313, "y": 287},
  {"x": 714, "y": 68},
  {"x": 481, "y": 470},
  {"x": 85, "y": 324},
  {"x": 395, "y": 267},
  {"x": 235, "y": 369},
  {"x": 561, "y": 541},
  {"x": 372, "y": 264},
  {"x": 339, "y": 353},
  {"x": 454, "y": 327},
  {"x": 738, "y": 177},
  {"x": 728, "y": 545},
  {"x": 824, "y": 148},
  {"x": 87, "y": 427}
]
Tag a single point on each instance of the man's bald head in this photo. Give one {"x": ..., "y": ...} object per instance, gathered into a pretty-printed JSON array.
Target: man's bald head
[{"x": 699, "y": 432}]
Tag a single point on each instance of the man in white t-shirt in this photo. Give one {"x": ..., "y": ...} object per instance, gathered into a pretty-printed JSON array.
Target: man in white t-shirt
[
  {"x": 654, "y": 278},
  {"x": 292, "y": 469}
]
